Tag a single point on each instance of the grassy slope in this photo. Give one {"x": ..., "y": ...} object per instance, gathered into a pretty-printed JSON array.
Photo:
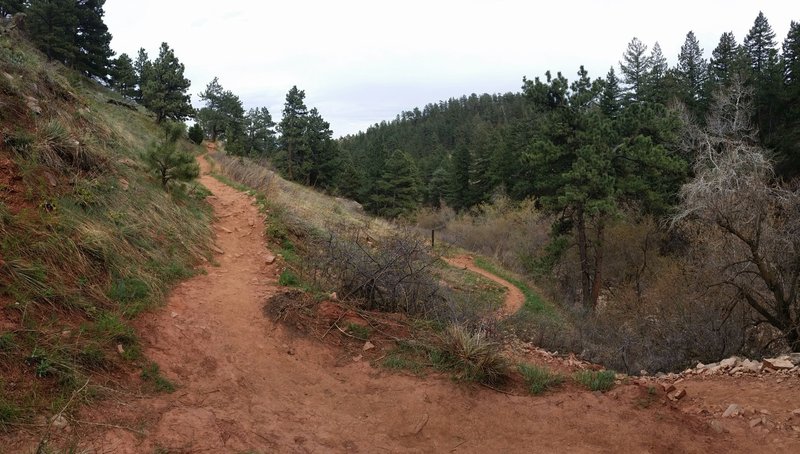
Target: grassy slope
[{"x": 87, "y": 238}]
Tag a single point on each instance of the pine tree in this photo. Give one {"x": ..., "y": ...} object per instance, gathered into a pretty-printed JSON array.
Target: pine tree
[
  {"x": 292, "y": 127},
  {"x": 760, "y": 47},
  {"x": 322, "y": 164},
  {"x": 92, "y": 39},
  {"x": 692, "y": 72},
  {"x": 167, "y": 161},
  {"x": 123, "y": 76},
  {"x": 165, "y": 90},
  {"x": 791, "y": 56},
  {"x": 635, "y": 66},
  {"x": 210, "y": 116},
  {"x": 656, "y": 88},
  {"x": 51, "y": 26},
  {"x": 196, "y": 134},
  {"x": 458, "y": 193},
  {"x": 396, "y": 193},
  {"x": 260, "y": 131},
  {"x": 726, "y": 60},
  {"x": 612, "y": 94},
  {"x": 787, "y": 143},
  {"x": 143, "y": 67}
]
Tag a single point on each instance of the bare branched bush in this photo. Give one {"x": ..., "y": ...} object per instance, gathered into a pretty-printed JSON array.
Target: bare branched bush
[
  {"x": 751, "y": 224},
  {"x": 392, "y": 274}
]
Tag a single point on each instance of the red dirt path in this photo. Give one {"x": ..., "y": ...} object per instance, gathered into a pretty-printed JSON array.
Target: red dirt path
[
  {"x": 514, "y": 299},
  {"x": 246, "y": 384}
]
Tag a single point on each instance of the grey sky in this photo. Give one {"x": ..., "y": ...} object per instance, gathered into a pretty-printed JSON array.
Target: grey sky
[{"x": 361, "y": 62}]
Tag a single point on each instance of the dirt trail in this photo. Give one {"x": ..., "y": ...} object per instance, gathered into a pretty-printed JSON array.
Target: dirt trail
[
  {"x": 514, "y": 299},
  {"x": 247, "y": 384}
]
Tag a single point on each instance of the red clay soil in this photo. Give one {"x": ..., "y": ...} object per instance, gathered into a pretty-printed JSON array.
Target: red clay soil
[
  {"x": 514, "y": 299},
  {"x": 248, "y": 384}
]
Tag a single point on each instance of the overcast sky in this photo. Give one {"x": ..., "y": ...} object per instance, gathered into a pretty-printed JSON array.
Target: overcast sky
[{"x": 361, "y": 62}]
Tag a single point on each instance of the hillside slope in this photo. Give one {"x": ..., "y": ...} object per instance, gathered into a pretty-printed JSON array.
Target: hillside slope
[{"x": 88, "y": 239}]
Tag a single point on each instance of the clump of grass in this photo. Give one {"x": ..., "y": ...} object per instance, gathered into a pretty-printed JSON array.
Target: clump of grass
[
  {"x": 9, "y": 413},
  {"x": 539, "y": 379},
  {"x": 152, "y": 374},
  {"x": 474, "y": 357},
  {"x": 596, "y": 380},
  {"x": 361, "y": 332},
  {"x": 398, "y": 361},
  {"x": 7, "y": 342},
  {"x": 289, "y": 279}
]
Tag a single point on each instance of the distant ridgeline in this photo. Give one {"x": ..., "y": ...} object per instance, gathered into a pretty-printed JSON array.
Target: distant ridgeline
[{"x": 527, "y": 144}]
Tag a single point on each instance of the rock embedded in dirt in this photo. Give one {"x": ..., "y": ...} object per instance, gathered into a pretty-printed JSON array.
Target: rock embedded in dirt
[
  {"x": 780, "y": 363},
  {"x": 368, "y": 346},
  {"x": 269, "y": 259},
  {"x": 717, "y": 427},
  {"x": 679, "y": 395},
  {"x": 59, "y": 422},
  {"x": 668, "y": 387},
  {"x": 733, "y": 410}
]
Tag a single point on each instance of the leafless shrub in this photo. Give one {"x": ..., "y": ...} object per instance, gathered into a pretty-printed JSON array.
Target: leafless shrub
[
  {"x": 752, "y": 224},
  {"x": 390, "y": 274}
]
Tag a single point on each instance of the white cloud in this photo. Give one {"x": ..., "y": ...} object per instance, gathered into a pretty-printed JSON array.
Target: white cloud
[{"x": 361, "y": 62}]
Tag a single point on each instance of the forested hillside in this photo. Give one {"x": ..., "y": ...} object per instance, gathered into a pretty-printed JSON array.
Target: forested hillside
[{"x": 466, "y": 149}]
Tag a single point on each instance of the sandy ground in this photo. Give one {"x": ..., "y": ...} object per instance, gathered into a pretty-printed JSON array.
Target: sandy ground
[{"x": 247, "y": 385}]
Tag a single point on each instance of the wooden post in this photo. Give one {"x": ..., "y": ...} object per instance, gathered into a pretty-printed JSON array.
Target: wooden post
[{"x": 433, "y": 239}]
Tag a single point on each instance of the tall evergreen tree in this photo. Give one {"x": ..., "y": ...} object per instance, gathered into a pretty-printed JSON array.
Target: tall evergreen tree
[
  {"x": 760, "y": 46},
  {"x": 223, "y": 117},
  {"x": 787, "y": 143},
  {"x": 165, "y": 90},
  {"x": 260, "y": 131},
  {"x": 123, "y": 76},
  {"x": 92, "y": 39},
  {"x": 142, "y": 66},
  {"x": 726, "y": 60},
  {"x": 51, "y": 26},
  {"x": 322, "y": 164},
  {"x": 635, "y": 66},
  {"x": 656, "y": 88},
  {"x": 692, "y": 73},
  {"x": 611, "y": 95},
  {"x": 396, "y": 193},
  {"x": 292, "y": 127}
]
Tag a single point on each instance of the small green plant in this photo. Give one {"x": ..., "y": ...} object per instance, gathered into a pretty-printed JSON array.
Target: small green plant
[
  {"x": 152, "y": 374},
  {"x": 397, "y": 361},
  {"x": 474, "y": 356},
  {"x": 361, "y": 332},
  {"x": 9, "y": 413},
  {"x": 538, "y": 379},
  {"x": 289, "y": 279},
  {"x": 596, "y": 380},
  {"x": 6, "y": 342},
  {"x": 167, "y": 161}
]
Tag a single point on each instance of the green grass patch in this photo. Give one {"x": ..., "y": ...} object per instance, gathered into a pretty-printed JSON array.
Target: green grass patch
[
  {"x": 151, "y": 374},
  {"x": 289, "y": 279},
  {"x": 539, "y": 379},
  {"x": 472, "y": 287},
  {"x": 399, "y": 361},
  {"x": 596, "y": 380},
  {"x": 533, "y": 302},
  {"x": 361, "y": 332}
]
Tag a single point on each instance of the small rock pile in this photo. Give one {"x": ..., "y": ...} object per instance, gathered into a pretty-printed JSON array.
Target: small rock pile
[{"x": 735, "y": 366}]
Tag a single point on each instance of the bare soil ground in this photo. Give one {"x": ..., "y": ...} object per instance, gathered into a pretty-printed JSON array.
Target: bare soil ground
[{"x": 247, "y": 384}]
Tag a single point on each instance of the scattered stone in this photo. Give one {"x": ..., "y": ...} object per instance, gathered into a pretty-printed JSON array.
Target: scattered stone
[
  {"x": 33, "y": 105},
  {"x": 796, "y": 412},
  {"x": 750, "y": 365},
  {"x": 59, "y": 422},
  {"x": 120, "y": 349},
  {"x": 679, "y": 395},
  {"x": 668, "y": 387},
  {"x": 368, "y": 346},
  {"x": 729, "y": 363},
  {"x": 717, "y": 427},
  {"x": 174, "y": 314},
  {"x": 334, "y": 296},
  {"x": 269, "y": 259},
  {"x": 780, "y": 363},
  {"x": 226, "y": 230},
  {"x": 358, "y": 358},
  {"x": 756, "y": 422},
  {"x": 733, "y": 410},
  {"x": 216, "y": 249},
  {"x": 123, "y": 183}
]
